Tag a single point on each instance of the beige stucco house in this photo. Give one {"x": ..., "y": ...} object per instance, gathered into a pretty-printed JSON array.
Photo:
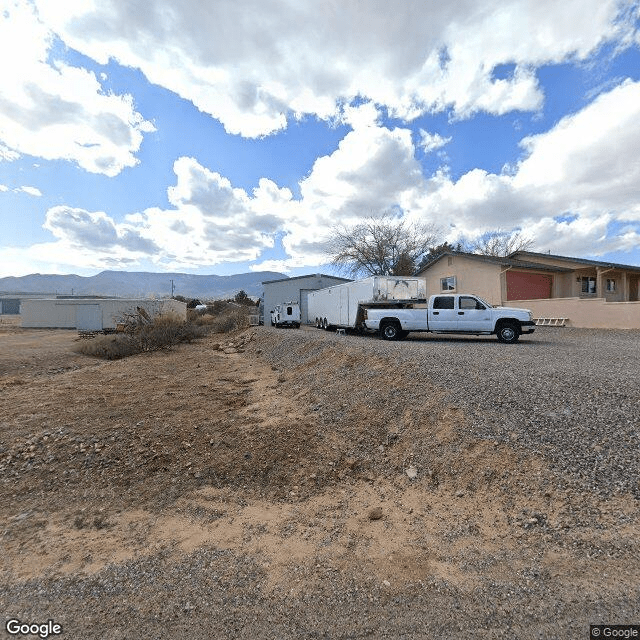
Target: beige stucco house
[{"x": 579, "y": 292}]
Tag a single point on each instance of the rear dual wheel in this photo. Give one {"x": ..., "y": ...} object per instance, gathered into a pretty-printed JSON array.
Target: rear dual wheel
[{"x": 391, "y": 331}]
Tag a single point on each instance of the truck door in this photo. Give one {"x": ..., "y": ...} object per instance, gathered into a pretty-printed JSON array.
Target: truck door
[
  {"x": 443, "y": 316},
  {"x": 473, "y": 315}
]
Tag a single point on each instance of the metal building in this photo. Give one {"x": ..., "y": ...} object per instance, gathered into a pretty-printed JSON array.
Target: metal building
[
  {"x": 91, "y": 314},
  {"x": 295, "y": 290}
]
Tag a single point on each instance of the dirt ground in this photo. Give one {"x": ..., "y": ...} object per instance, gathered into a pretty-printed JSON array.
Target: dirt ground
[{"x": 207, "y": 446}]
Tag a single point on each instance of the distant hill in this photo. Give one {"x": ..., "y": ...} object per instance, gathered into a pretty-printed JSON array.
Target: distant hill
[{"x": 140, "y": 284}]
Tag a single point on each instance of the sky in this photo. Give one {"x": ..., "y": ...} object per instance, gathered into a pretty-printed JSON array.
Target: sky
[{"x": 227, "y": 136}]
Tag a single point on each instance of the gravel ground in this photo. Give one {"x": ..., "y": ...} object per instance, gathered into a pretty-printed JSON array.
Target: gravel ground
[
  {"x": 570, "y": 395},
  {"x": 522, "y": 521}
]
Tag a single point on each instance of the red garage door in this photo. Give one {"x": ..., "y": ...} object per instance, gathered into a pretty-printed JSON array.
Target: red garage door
[{"x": 527, "y": 286}]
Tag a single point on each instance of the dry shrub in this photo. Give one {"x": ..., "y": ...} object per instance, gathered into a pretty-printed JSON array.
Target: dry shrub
[
  {"x": 111, "y": 347},
  {"x": 231, "y": 320},
  {"x": 222, "y": 317},
  {"x": 162, "y": 332}
]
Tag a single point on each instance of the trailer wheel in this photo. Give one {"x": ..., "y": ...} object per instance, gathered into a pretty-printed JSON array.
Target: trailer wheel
[
  {"x": 325, "y": 325},
  {"x": 390, "y": 331},
  {"x": 508, "y": 332}
]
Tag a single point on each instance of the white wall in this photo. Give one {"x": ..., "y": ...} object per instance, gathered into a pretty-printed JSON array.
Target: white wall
[{"x": 62, "y": 313}]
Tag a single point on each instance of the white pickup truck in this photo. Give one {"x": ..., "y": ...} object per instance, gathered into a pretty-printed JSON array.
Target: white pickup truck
[{"x": 450, "y": 313}]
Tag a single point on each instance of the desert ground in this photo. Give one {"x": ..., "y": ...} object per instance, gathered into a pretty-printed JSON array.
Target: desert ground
[{"x": 299, "y": 484}]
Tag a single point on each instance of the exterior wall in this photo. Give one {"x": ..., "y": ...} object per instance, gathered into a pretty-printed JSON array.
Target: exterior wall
[
  {"x": 626, "y": 281},
  {"x": 587, "y": 313},
  {"x": 62, "y": 313},
  {"x": 472, "y": 276},
  {"x": 280, "y": 291}
]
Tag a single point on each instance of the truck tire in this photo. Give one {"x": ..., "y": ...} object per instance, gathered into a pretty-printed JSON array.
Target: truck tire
[
  {"x": 325, "y": 324},
  {"x": 508, "y": 332},
  {"x": 390, "y": 331}
]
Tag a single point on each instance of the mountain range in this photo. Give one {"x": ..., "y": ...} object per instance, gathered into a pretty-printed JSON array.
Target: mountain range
[{"x": 140, "y": 284}]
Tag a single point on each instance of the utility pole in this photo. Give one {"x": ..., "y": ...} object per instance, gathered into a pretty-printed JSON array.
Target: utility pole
[{"x": 172, "y": 288}]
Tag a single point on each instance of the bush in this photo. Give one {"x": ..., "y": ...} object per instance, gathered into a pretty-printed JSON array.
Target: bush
[
  {"x": 111, "y": 347},
  {"x": 162, "y": 332}
]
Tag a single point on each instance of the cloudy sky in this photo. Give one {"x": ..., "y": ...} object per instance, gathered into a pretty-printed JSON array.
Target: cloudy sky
[{"x": 222, "y": 136}]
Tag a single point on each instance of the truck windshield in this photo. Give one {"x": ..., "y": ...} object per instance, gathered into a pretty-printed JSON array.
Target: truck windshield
[{"x": 485, "y": 303}]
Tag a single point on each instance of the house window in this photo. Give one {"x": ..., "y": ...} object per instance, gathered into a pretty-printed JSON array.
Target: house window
[
  {"x": 449, "y": 261},
  {"x": 611, "y": 285},
  {"x": 448, "y": 283},
  {"x": 588, "y": 284}
]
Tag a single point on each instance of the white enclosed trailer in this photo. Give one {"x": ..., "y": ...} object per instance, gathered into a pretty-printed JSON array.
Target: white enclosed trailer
[
  {"x": 341, "y": 306},
  {"x": 286, "y": 314}
]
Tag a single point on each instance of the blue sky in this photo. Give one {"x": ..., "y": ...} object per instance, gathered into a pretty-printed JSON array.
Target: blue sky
[{"x": 220, "y": 137}]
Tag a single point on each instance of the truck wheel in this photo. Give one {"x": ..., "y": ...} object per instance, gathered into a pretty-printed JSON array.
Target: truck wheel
[
  {"x": 390, "y": 331},
  {"x": 325, "y": 325},
  {"x": 508, "y": 332}
]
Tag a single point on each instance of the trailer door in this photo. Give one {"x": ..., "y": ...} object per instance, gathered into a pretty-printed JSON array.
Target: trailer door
[{"x": 344, "y": 306}]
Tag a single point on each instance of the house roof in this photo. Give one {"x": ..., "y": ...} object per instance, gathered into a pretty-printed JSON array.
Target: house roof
[
  {"x": 310, "y": 275},
  {"x": 503, "y": 261},
  {"x": 585, "y": 261}
]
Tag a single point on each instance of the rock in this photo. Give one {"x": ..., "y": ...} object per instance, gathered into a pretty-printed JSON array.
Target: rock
[
  {"x": 412, "y": 473},
  {"x": 375, "y": 513}
]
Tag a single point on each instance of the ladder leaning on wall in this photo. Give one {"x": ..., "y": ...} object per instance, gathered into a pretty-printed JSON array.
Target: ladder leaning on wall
[{"x": 551, "y": 322}]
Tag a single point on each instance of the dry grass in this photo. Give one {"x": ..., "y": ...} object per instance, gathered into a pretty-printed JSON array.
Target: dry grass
[
  {"x": 163, "y": 332},
  {"x": 222, "y": 318}
]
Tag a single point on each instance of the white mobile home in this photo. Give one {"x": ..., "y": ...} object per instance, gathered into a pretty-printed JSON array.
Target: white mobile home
[{"x": 91, "y": 314}]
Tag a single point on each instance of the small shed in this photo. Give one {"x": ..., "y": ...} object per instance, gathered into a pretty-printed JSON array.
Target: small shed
[
  {"x": 91, "y": 314},
  {"x": 296, "y": 290}
]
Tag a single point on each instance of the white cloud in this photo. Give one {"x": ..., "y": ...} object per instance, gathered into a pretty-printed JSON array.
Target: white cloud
[
  {"x": 95, "y": 231},
  {"x": 54, "y": 111},
  {"x": 3, "y": 187},
  {"x": 432, "y": 141},
  {"x": 32, "y": 191},
  {"x": 7, "y": 154},
  {"x": 585, "y": 166},
  {"x": 250, "y": 64},
  {"x": 575, "y": 192}
]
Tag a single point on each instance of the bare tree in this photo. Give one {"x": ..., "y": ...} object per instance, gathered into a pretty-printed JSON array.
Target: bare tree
[
  {"x": 381, "y": 245},
  {"x": 501, "y": 243}
]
